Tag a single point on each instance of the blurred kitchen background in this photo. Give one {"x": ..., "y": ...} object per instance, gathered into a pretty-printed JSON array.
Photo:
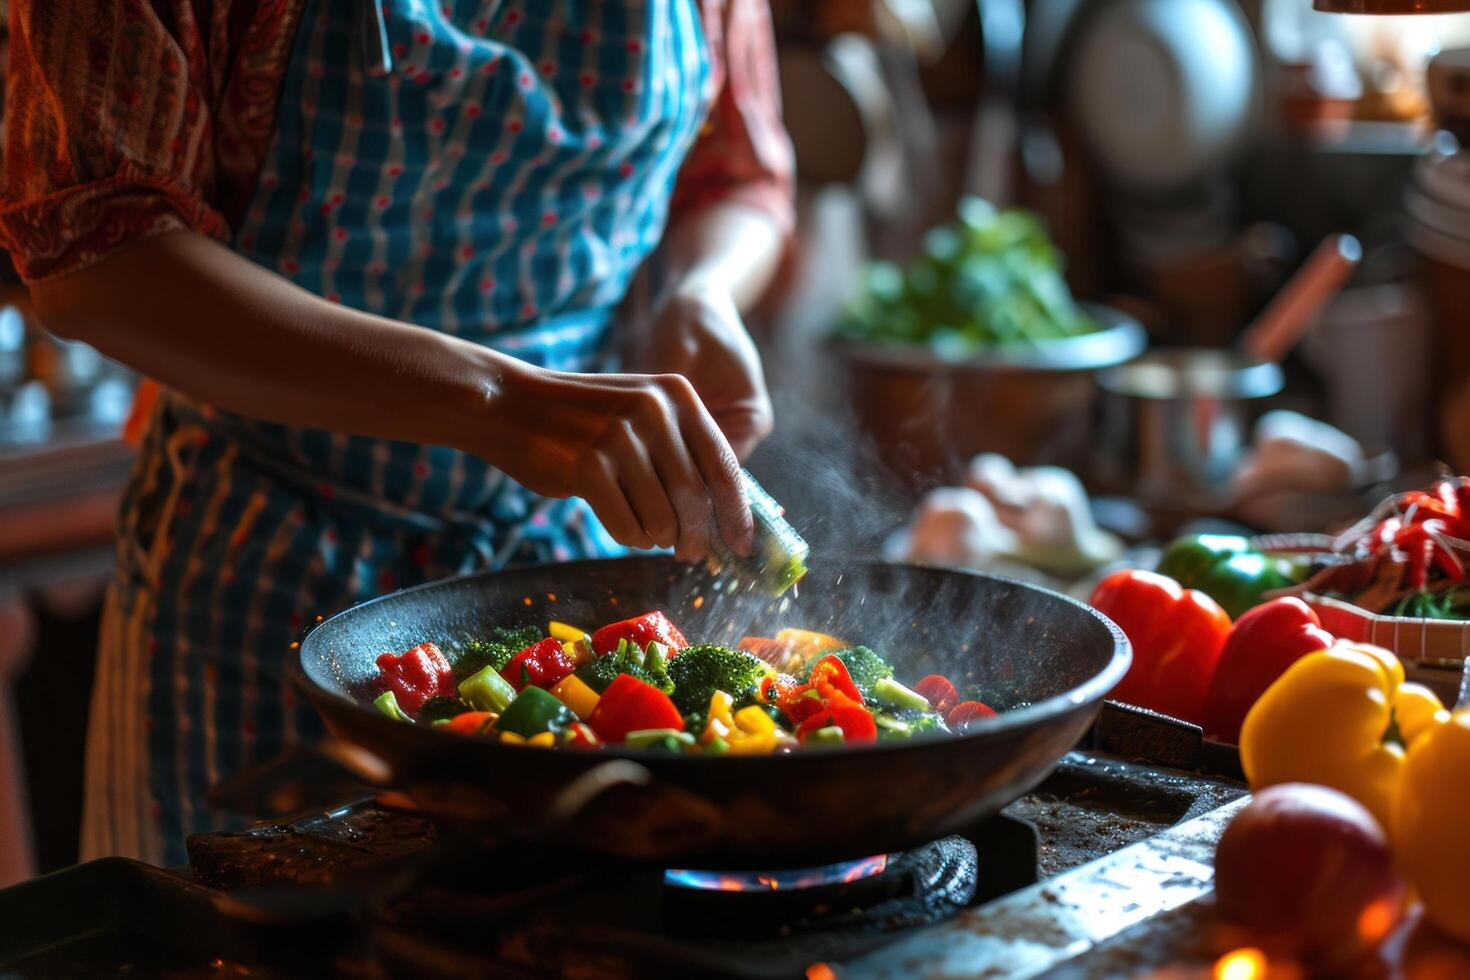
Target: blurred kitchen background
[{"x": 1185, "y": 156}]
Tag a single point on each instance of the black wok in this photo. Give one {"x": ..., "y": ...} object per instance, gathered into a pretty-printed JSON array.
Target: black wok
[{"x": 1045, "y": 660}]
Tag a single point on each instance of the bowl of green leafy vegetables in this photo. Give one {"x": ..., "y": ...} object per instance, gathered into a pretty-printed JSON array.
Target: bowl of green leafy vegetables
[{"x": 977, "y": 345}]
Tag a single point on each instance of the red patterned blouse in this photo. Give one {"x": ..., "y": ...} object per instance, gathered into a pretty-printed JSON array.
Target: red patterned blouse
[{"x": 126, "y": 118}]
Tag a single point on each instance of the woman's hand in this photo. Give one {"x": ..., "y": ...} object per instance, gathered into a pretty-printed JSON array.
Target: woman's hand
[
  {"x": 697, "y": 332},
  {"x": 641, "y": 449}
]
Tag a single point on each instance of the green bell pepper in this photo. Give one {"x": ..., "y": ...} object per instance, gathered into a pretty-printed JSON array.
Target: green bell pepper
[
  {"x": 535, "y": 711},
  {"x": 1226, "y": 568}
]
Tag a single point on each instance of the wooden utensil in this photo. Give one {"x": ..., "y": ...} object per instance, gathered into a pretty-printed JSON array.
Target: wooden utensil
[{"x": 1276, "y": 331}]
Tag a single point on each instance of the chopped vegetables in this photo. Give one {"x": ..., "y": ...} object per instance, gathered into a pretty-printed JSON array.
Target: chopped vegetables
[
  {"x": 699, "y": 672},
  {"x": 630, "y": 705},
  {"x": 543, "y": 664},
  {"x": 572, "y": 692},
  {"x": 494, "y": 650},
  {"x": 865, "y": 666},
  {"x": 642, "y": 630},
  {"x": 416, "y": 675},
  {"x": 387, "y": 703},
  {"x": 535, "y": 711},
  {"x": 644, "y": 687},
  {"x": 487, "y": 690}
]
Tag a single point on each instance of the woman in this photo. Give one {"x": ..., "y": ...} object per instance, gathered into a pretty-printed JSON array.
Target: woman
[{"x": 264, "y": 203}]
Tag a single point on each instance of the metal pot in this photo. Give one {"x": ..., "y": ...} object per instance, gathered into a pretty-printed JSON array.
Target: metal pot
[
  {"x": 928, "y": 416},
  {"x": 1174, "y": 423}
]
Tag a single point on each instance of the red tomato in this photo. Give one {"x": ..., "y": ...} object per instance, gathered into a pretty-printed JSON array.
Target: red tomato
[
  {"x": 856, "y": 722},
  {"x": 541, "y": 664},
  {"x": 642, "y": 630},
  {"x": 967, "y": 711},
  {"x": 1177, "y": 635},
  {"x": 939, "y": 692}
]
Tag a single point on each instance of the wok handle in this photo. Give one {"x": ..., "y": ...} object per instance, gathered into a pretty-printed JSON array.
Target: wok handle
[{"x": 581, "y": 792}]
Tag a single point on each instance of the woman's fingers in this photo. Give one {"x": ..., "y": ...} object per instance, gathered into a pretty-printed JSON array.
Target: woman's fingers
[
  {"x": 719, "y": 469},
  {"x": 605, "y": 494},
  {"x": 644, "y": 488}
]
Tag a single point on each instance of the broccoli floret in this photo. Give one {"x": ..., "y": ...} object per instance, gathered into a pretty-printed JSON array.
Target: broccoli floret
[
  {"x": 699, "y": 672},
  {"x": 627, "y": 659},
  {"x": 865, "y": 666},
  {"x": 438, "y": 708},
  {"x": 495, "y": 650},
  {"x": 897, "y": 726}
]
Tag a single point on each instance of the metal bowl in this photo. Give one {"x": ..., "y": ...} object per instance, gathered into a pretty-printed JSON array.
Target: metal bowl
[
  {"x": 1176, "y": 422},
  {"x": 928, "y": 415}
]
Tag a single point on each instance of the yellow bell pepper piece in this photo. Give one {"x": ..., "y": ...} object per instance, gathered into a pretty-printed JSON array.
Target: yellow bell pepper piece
[
  {"x": 573, "y": 692},
  {"x": 749, "y": 731},
  {"x": 575, "y": 643},
  {"x": 512, "y": 738},
  {"x": 565, "y": 633},
  {"x": 1429, "y": 821},
  {"x": 542, "y": 740},
  {"x": 1325, "y": 720}
]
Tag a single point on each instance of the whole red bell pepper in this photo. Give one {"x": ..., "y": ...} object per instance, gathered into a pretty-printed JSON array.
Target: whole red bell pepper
[
  {"x": 630, "y": 705},
  {"x": 649, "y": 628},
  {"x": 541, "y": 664},
  {"x": 1262, "y": 644},
  {"x": 416, "y": 675},
  {"x": 1177, "y": 635}
]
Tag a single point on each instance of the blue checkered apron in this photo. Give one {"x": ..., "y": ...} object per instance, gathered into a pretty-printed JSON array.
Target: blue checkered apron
[{"x": 501, "y": 183}]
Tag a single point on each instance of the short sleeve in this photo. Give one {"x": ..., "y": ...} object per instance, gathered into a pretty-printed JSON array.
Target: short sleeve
[
  {"x": 106, "y": 131},
  {"x": 743, "y": 153}
]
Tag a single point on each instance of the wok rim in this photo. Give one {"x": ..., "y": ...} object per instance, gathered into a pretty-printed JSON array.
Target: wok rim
[{"x": 1092, "y": 691}]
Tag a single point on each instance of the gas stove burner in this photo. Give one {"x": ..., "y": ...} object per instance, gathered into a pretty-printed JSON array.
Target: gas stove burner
[
  {"x": 845, "y": 872},
  {"x": 926, "y": 884}
]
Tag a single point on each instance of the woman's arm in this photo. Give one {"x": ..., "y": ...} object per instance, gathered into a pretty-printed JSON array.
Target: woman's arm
[
  {"x": 205, "y": 321},
  {"x": 729, "y": 246}
]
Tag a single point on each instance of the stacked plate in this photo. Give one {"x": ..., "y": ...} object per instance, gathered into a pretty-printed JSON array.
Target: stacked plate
[{"x": 1438, "y": 204}]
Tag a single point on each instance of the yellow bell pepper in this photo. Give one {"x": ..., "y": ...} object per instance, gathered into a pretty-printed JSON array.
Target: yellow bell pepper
[
  {"x": 573, "y": 692},
  {"x": 749, "y": 731},
  {"x": 565, "y": 633},
  {"x": 1330, "y": 719},
  {"x": 542, "y": 740},
  {"x": 1429, "y": 821},
  {"x": 575, "y": 643}
]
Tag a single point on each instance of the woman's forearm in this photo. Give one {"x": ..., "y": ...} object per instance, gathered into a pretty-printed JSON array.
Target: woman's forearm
[
  {"x": 205, "y": 321},
  {"x": 731, "y": 246}
]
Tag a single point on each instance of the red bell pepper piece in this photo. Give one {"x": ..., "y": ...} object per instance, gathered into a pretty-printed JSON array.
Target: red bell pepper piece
[
  {"x": 416, "y": 675},
  {"x": 856, "y": 722},
  {"x": 967, "y": 711},
  {"x": 829, "y": 684},
  {"x": 1262, "y": 644},
  {"x": 472, "y": 722},
  {"x": 939, "y": 692},
  {"x": 630, "y": 705},
  {"x": 541, "y": 664},
  {"x": 649, "y": 628},
  {"x": 581, "y": 736},
  {"x": 1177, "y": 635}
]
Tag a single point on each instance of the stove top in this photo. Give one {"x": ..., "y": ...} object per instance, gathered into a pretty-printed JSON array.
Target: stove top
[{"x": 364, "y": 890}]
